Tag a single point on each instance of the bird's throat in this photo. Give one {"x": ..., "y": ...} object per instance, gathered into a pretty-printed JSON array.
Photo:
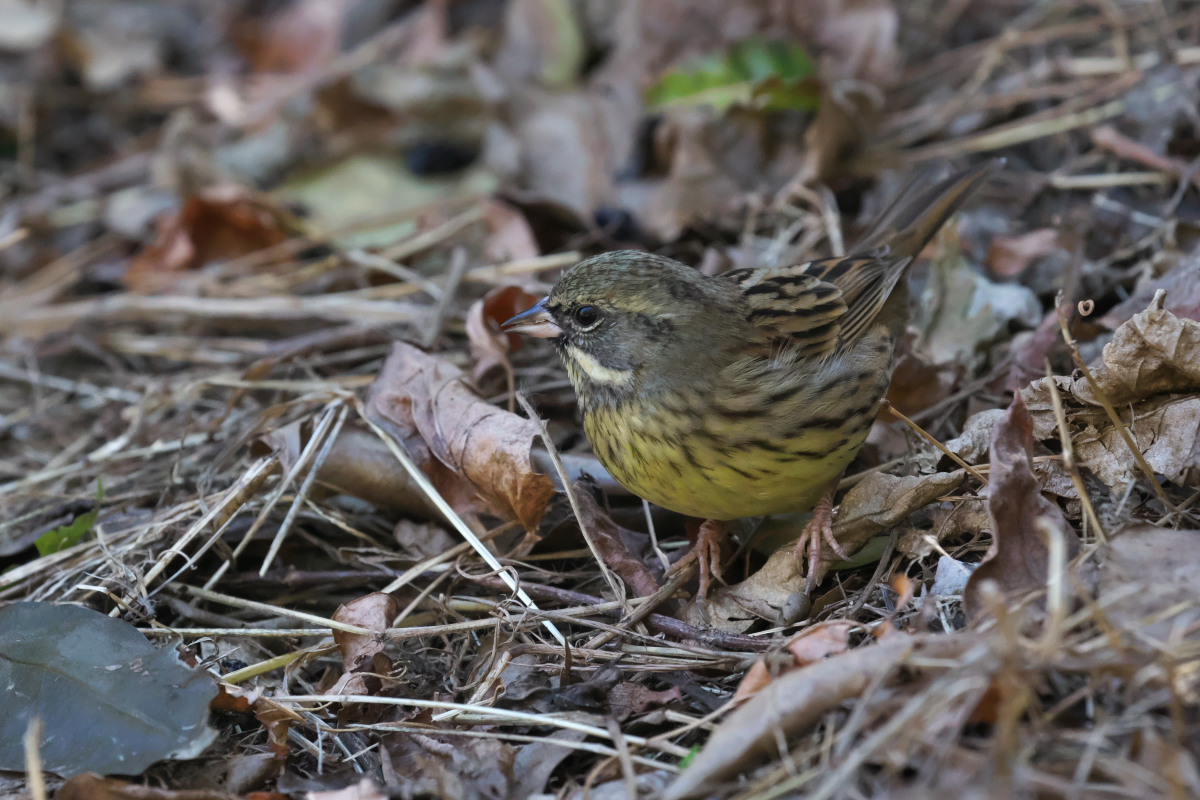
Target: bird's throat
[{"x": 584, "y": 367}]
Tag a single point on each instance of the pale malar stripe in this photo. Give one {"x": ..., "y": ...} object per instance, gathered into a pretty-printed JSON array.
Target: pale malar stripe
[{"x": 597, "y": 371}]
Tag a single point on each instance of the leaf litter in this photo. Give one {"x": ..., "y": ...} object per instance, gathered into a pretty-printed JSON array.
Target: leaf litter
[{"x": 249, "y": 253}]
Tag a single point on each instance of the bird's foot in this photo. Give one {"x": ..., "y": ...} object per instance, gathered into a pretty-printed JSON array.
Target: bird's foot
[
  {"x": 708, "y": 554},
  {"x": 816, "y": 534}
]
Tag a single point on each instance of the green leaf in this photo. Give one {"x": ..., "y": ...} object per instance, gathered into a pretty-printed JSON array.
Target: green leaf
[
  {"x": 757, "y": 72},
  {"x": 690, "y": 757},
  {"x": 109, "y": 701},
  {"x": 66, "y": 536}
]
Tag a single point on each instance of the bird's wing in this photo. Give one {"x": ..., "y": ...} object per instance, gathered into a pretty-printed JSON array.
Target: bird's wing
[{"x": 818, "y": 305}]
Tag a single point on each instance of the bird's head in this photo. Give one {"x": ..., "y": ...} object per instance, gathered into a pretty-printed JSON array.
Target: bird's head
[{"x": 625, "y": 321}]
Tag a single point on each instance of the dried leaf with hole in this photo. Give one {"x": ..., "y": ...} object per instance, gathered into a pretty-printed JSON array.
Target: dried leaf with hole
[
  {"x": 476, "y": 455},
  {"x": 1018, "y": 558}
]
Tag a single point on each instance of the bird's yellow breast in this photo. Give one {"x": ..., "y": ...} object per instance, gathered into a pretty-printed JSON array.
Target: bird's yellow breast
[{"x": 687, "y": 470}]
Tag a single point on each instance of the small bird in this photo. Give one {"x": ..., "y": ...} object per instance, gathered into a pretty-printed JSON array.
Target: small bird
[{"x": 747, "y": 393}]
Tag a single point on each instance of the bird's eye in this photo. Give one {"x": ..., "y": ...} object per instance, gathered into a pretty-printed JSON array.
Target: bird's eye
[{"x": 587, "y": 317}]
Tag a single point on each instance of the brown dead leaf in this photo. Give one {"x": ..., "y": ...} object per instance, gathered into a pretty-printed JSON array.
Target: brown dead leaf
[
  {"x": 275, "y": 718},
  {"x": 1009, "y": 256},
  {"x": 1166, "y": 430},
  {"x": 1017, "y": 557},
  {"x": 795, "y": 701},
  {"x": 1153, "y": 353},
  {"x": 219, "y": 223},
  {"x": 477, "y": 455},
  {"x": 611, "y": 546},
  {"x": 445, "y": 765},
  {"x": 375, "y": 612},
  {"x": 1150, "y": 372},
  {"x": 820, "y": 642},
  {"x": 509, "y": 236},
  {"x": 489, "y": 346},
  {"x": 630, "y": 699},
  {"x": 363, "y": 657},
  {"x": 757, "y": 678}
]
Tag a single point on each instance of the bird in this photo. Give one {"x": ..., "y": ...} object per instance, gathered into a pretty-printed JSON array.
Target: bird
[{"x": 747, "y": 393}]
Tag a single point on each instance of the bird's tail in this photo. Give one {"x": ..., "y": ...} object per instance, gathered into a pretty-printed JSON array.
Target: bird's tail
[{"x": 903, "y": 230}]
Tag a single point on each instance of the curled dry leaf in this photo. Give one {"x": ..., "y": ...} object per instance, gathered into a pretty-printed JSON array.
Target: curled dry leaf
[
  {"x": 277, "y": 719},
  {"x": 375, "y": 612},
  {"x": 1153, "y": 353},
  {"x": 797, "y": 700},
  {"x": 477, "y": 455},
  {"x": 612, "y": 548},
  {"x": 489, "y": 345},
  {"x": 219, "y": 223},
  {"x": 1150, "y": 373},
  {"x": 1018, "y": 556},
  {"x": 1009, "y": 256}
]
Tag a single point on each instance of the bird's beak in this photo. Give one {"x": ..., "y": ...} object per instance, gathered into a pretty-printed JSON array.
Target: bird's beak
[{"x": 535, "y": 321}]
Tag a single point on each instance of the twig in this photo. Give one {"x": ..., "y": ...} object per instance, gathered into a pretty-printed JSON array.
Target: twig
[
  {"x": 1068, "y": 456},
  {"x": 615, "y": 585},
  {"x": 933, "y": 440}
]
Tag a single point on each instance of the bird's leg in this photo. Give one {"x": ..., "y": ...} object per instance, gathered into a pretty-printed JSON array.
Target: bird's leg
[
  {"x": 708, "y": 554},
  {"x": 817, "y": 532}
]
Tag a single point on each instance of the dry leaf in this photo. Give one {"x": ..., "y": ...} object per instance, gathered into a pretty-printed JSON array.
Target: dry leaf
[
  {"x": 1155, "y": 352},
  {"x": 219, "y": 223},
  {"x": 757, "y": 678},
  {"x": 363, "y": 656},
  {"x": 1018, "y": 557},
  {"x": 1150, "y": 372},
  {"x": 477, "y": 455},
  {"x": 489, "y": 345},
  {"x": 1009, "y": 256},
  {"x": 509, "y": 236},
  {"x": 820, "y": 642},
  {"x": 607, "y": 536}
]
